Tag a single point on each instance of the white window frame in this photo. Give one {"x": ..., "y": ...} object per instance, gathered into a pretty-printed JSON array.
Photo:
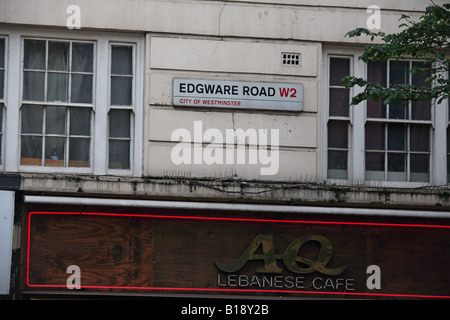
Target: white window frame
[
  {"x": 132, "y": 108},
  {"x": 358, "y": 118},
  {"x": 408, "y": 122},
  {"x": 447, "y": 152},
  {"x": 68, "y": 104},
  {"x": 340, "y": 118},
  {"x": 99, "y": 134},
  {"x": 3, "y": 109},
  {"x": 439, "y": 148}
]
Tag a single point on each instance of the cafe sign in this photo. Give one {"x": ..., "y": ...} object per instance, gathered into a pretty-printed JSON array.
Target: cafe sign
[
  {"x": 290, "y": 256},
  {"x": 158, "y": 251},
  {"x": 237, "y": 94},
  {"x": 291, "y": 260}
]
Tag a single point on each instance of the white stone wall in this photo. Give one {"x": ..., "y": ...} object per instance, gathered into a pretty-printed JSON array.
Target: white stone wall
[
  {"x": 327, "y": 20},
  {"x": 243, "y": 60},
  {"x": 223, "y": 40}
]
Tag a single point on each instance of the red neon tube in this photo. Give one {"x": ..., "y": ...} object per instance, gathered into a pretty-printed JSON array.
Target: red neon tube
[{"x": 236, "y": 220}]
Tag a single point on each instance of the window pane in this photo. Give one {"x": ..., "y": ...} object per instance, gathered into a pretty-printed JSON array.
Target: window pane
[
  {"x": 418, "y": 78},
  {"x": 420, "y": 137},
  {"x": 119, "y": 123},
  {"x": 122, "y": 60},
  {"x": 80, "y": 121},
  {"x": 448, "y": 157},
  {"x": 32, "y": 119},
  {"x": 55, "y": 120},
  {"x": 31, "y": 150},
  {"x": 398, "y": 111},
  {"x": 338, "y": 134},
  {"x": 79, "y": 152},
  {"x": 337, "y": 159},
  {"x": 421, "y": 110},
  {"x": 54, "y": 151},
  {"x": 119, "y": 154},
  {"x": 399, "y": 72},
  {"x": 339, "y": 68},
  {"x": 82, "y": 57},
  {"x": 448, "y": 140},
  {"x": 396, "y": 175},
  {"x": 1, "y": 132},
  {"x": 2, "y": 65},
  {"x": 337, "y": 164},
  {"x": 448, "y": 169},
  {"x": 375, "y": 166},
  {"x": 33, "y": 86},
  {"x": 2, "y": 82},
  {"x": 396, "y": 137},
  {"x": 58, "y": 56},
  {"x": 375, "y": 136},
  {"x": 376, "y": 109},
  {"x": 420, "y": 167},
  {"x": 34, "y": 54},
  {"x": 375, "y": 161},
  {"x": 121, "y": 88},
  {"x": 376, "y": 73},
  {"x": 57, "y": 84},
  {"x": 339, "y": 102},
  {"x": 81, "y": 91},
  {"x": 2, "y": 53},
  {"x": 397, "y": 162}
]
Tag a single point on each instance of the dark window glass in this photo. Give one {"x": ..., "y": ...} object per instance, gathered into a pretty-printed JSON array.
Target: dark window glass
[
  {"x": 339, "y": 68},
  {"x": 337, "y": 134},
  {"x": 375, "y": 136},
  {"x": 339, "y": 101}
]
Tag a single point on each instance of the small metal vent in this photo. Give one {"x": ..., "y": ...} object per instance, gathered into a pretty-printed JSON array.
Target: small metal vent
[{"x": 290, "y": 59}]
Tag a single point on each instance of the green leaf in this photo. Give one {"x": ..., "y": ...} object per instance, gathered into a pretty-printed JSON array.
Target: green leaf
[{"x": 426, "y": 39}]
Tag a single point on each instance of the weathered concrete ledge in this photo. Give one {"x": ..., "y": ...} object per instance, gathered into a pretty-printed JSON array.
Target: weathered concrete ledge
[{"x": 236, "y": 190}]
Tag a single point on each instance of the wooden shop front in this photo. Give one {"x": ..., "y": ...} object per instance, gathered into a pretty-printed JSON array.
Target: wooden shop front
[{"x": 163, "y": 251}]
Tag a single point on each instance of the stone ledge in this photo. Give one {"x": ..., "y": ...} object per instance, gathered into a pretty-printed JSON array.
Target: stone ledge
[{"x": 237, "y": 190}]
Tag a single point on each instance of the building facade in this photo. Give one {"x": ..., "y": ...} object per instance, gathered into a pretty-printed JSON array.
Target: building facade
[{"x": 208, "y": 148}]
